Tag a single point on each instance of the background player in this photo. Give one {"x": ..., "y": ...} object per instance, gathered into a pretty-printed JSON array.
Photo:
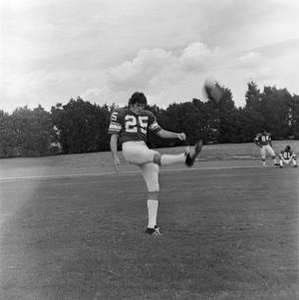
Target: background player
[
  {"x": 130, "y": 126},
  {"x": 287, "y": 156},
  {"x": 263, "y": 140}
]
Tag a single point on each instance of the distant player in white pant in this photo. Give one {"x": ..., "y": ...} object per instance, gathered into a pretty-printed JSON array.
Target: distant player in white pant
[
  {"x": 287, "y": 156},
  {"x": 130, "y": 126},
  {"x": 263, "y": 140}
]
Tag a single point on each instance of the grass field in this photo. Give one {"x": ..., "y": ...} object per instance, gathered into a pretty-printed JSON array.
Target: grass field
[{"x": 72, "y": 229}]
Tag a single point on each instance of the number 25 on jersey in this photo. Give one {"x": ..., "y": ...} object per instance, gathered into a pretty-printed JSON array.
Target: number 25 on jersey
[{"x": 132, "y": 123}]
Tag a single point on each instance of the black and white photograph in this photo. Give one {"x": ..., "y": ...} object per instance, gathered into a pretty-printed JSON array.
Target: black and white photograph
[{"x": 149, "y": 150}]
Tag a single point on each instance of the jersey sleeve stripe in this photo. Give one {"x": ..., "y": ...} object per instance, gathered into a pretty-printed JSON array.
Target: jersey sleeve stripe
[
  {"x": 115, "y": 127},
  {"x": 154, "y": 127}
]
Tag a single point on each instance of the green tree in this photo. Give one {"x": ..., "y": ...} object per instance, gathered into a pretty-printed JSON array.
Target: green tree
[
  {"x": 8, "y": 140},
  {"x": 33, "y": 130},
  {"x": 253, "y": 97},
  {"x": 227, "y": 116},
  {"x": 293, "y": 117},
  {"x": 275, "y": 107},
  {"x": 82, "y": 126},
  {"x": 253, "y": 118},
  {"x": 206, "y": 121}
]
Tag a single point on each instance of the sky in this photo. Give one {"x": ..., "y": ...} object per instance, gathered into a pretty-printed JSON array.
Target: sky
[{"x": 105, "y": 50}]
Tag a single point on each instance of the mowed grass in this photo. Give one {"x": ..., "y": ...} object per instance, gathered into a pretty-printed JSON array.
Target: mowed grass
[{"x": 71, "y": 229}]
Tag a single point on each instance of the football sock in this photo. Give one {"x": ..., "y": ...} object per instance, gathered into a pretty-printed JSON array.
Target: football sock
[
  {"x": 168, "y": 159},
  {"x": 152, "y": 209}
]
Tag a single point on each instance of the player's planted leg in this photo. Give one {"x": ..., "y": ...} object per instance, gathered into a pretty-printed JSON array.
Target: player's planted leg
[
  {"x": 150, "y": 173},
  {"x": 153, "y": 231},
  {"x": 152, "y": 208}
]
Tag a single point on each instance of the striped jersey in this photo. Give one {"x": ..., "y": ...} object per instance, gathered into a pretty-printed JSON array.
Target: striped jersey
[
  {"x": 287, "y": 154},
  {"x": 263, "y": 139},
  {"x": 131, "y": 126}
]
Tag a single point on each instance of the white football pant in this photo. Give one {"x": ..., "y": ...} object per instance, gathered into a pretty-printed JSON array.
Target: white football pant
[
  {"x": 267, "y": 149},
  {"x": 137, "y": 153}
]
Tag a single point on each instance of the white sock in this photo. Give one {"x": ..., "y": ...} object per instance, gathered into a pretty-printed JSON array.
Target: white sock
[
  {"x": 170, "y": 159},
  {"x": 152, "y": 209}
]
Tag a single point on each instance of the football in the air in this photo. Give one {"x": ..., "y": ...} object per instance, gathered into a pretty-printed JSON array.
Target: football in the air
[{"x": 212, "y": 90}]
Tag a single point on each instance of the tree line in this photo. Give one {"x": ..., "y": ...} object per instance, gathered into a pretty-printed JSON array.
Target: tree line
[{"x": 82, "y": 127}]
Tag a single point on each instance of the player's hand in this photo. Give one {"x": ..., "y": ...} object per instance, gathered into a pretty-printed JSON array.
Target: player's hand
[
  {"x": 116, "y": 163},
  {"x": 182, "y": 136}
]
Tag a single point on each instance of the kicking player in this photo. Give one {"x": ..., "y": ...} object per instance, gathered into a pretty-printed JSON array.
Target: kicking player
[
  {"x": 263, "y": 140},
  {"x": 130, "y": 126},
  {"x": 287, "y": 156}
]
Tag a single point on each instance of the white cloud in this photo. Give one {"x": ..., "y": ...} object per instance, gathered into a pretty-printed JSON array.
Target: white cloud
[
  {"x": 160, "y": 68},
  {"x": 106, "y": 49},
  {"x": 249, "y": 60},
  {"x": 141, "y": 70},
  {"x": 197, "y": 56}
]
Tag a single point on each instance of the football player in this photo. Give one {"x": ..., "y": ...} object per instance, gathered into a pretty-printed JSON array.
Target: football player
[
  {"x": 263, "y": 140},
  {"x": 287, "y": 156},
  {"x": 130, "y": 126}
]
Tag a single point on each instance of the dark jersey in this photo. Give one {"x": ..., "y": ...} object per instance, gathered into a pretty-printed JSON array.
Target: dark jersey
[
  {"x": 263, "y": 139},
  {"x": 131, "y": 126},
  {"x": 287, "y": 154}
]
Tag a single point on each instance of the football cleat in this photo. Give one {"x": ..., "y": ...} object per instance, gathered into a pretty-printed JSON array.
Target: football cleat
[
  {"x": 295, "y": 166},
  {"x": 281, "y": 167},
  {"x": 153, "y": 231},
  {"x": 276, "y": 164},
  {"x": 190, "y": 157}
]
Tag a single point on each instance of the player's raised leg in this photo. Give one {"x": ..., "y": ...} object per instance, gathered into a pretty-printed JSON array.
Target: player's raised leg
[
  {"x": 191, "y": 155},
  {"x": 187, "y": 157}
]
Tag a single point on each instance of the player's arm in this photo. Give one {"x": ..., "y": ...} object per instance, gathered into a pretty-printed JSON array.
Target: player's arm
[
  {"x": 171, "y": 135},
  {"x": 113, "y": 148},
  {"x": 293, "y": 155},
  {"x": 257, "y": 142},
  {"x": 114, "y": 130}
]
